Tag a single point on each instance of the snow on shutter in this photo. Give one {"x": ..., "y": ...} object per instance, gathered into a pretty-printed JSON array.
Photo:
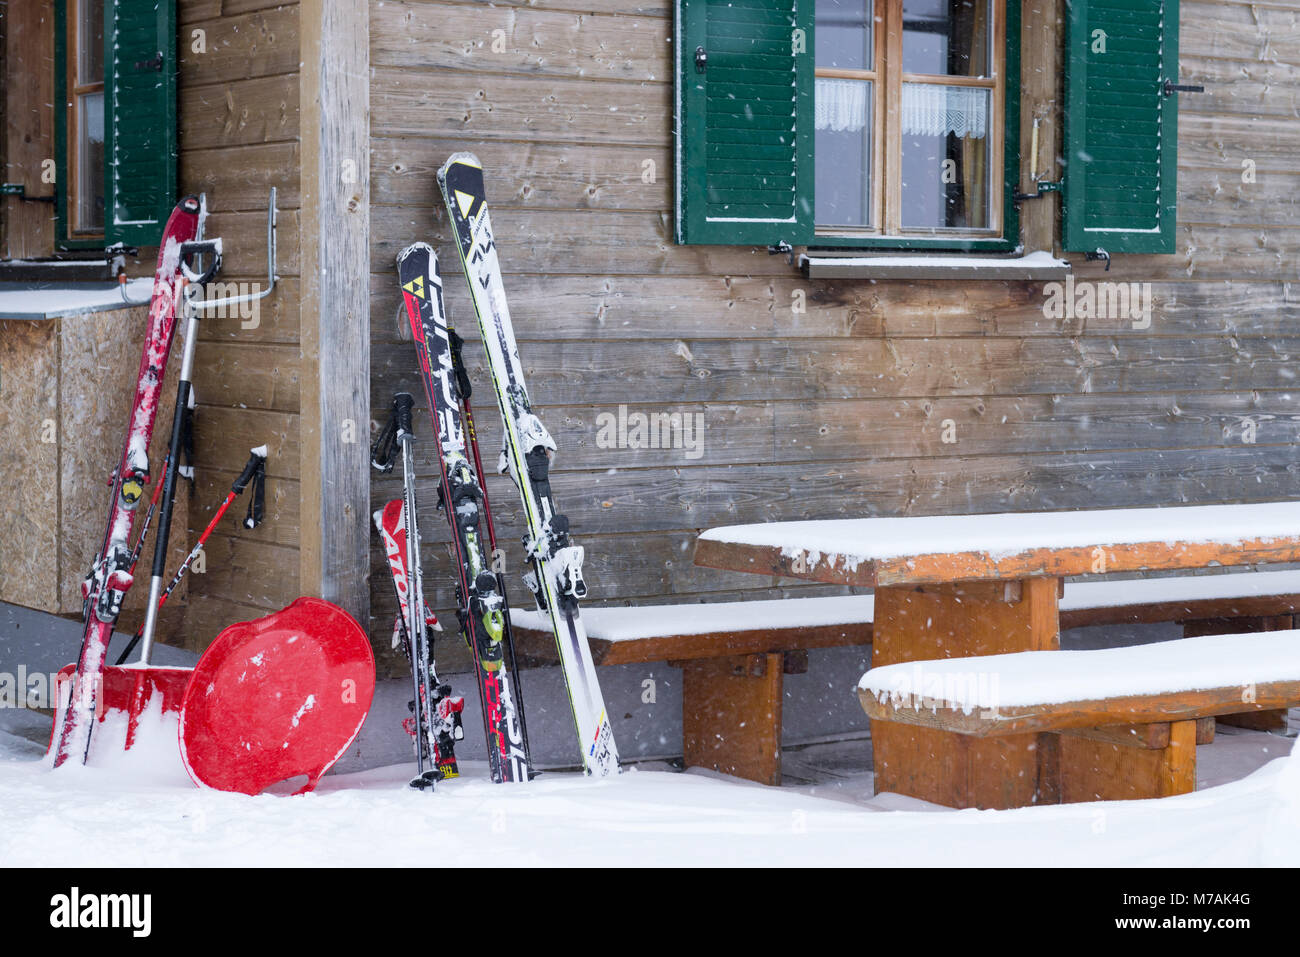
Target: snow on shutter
[
  {"x": 140, "y": 118},
  {"x": 1121, "y": 127},
  {"x": 744, "y": 121}
]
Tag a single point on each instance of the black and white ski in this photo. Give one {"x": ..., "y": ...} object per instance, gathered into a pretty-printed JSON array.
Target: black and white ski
[
  {"x": 484, "y": 615},
  {"x": 556, "y": 579}
]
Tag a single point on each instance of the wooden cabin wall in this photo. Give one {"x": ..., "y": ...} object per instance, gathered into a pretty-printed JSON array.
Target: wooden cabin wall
[
  {"x": 238, "y": 115},
  {"x": 838, "y": 410},
  {"x": 27, "y": 228}
]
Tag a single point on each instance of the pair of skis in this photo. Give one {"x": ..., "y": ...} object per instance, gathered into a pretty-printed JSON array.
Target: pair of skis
[{"x": 556, "y": 562}]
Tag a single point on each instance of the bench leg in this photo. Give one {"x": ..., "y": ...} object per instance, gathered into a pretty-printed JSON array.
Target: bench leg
[
  {"x": 1272, "y": 719},
  {"x": 731, "y": 715},
  {"x": 1094, "y": 768},
  {"x": 960, "y": 621}
]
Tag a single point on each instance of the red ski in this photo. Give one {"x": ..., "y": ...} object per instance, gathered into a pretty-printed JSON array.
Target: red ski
[{"x": 110, "y": 575}]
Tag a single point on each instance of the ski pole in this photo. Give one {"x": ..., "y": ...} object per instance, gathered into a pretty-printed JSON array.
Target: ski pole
[
  {"x": 254, "y": 471},
  {"x": 192, "y": 283}
]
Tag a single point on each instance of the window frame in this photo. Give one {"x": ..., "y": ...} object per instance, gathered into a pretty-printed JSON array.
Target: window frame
[
  {"x": 65, "y": 113},
  {"x": 1006, "y": 214}
]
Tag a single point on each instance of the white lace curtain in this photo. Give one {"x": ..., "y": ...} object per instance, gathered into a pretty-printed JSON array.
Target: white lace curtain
[{"x": 928, "y": 109}]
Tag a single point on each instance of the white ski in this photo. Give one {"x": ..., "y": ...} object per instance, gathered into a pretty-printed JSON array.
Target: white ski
[{"x": 556, "y": 579}]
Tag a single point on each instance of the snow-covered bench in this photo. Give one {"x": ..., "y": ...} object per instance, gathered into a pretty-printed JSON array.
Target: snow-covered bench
[
  {"x": 1127, "y": 720},
  {"x": 734, "y": 654}
]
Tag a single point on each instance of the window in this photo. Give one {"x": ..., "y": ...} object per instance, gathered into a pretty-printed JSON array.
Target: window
[
  {"x": 85, "y": 119},
  {"x": 115, "y": 124},
  {"x": 904, "y": 132},
  {"x": 909, "y": 117}
]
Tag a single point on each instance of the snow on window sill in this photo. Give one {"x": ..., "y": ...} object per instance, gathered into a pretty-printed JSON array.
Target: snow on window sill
[
  {"x": 50, "y": 300},
  {"x": 1032, "y": 267}
]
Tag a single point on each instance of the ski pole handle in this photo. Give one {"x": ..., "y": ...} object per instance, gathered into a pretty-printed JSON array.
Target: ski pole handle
[
  {"x": 200, "y": 247},
  {"x": 402, "y": 405},
  {"x": 256, "y": 462}
]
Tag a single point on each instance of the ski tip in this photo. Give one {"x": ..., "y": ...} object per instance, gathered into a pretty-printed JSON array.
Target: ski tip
[
  {"x": 414, "y": 248},
  {"x": 261, "y": 451},
  {"x": 190, "y": 204},
  {"x": 463, "y": 158}
]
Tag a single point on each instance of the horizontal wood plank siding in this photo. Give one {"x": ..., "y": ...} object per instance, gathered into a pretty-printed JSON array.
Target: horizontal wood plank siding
[
  {"x": 238, "y": 114},
  {"x": 819, "y": 398}
]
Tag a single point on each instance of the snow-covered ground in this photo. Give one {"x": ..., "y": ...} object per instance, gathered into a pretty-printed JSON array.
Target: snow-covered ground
[{"x": 141, "y": 809}]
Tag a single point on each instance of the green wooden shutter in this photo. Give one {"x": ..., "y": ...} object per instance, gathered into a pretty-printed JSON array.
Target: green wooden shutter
[
  {"x": 1121, "y": 130},
  {"x": 139, "y": 118},
  {"x": 745, "y": 124}
]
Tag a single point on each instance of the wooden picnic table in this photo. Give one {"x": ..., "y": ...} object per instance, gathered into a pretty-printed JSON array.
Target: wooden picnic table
[{"x": 968, "y": 585}]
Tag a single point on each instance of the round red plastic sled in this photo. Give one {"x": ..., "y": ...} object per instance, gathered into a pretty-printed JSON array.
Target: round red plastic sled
[{"x": 278, "y": 698}]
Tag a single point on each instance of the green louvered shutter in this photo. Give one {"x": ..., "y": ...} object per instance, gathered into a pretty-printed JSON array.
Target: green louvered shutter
[
  {"x": 745, "y": 121},
  {"x": 139, "y": 118},
  {"x": 1121, "y": 129}
]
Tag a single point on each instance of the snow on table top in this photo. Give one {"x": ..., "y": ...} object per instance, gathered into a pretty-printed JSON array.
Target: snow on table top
[
  {"x": 1009, "y": 533},
  {"x": 29, "y": 301},
  {"x": 1055, "y": 677},
  {"x": 653, "y": 621},
  {"x": 1149, "y": 591},
  {"x": 637, "y": 623}
]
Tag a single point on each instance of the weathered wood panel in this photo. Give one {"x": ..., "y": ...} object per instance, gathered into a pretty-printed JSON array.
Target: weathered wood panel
[
  {"x": 223, "y": 436},
  {"x": 252, "y": 111},
  {"x": 247, "y": 572},
  {"x": 270, "y": 320},
  {"x": 852, "y": 383},
  {"x": 252, "y": 375},
  {"x": 207, "y": 616},
  {"x": 28, "y": 228},
  {"x": 280, "y": 524},
  {"x": 526, "y": 174},
  {"x": 242, "y": 47},
  {"x": 240, "y": 178},
  {"x": 741, "y": 307},
  {"x": 489, "y": 106},
  {"x": 438, "y": 36},
  {"x": 715, "y": 370},
  {"x": 239, "y": 131},
  {"x": 244, "y": 235},
  {"x": 598, "y": 242},
  {"x": 743, "y": 433},
  {"x": 335, "y": 472}
]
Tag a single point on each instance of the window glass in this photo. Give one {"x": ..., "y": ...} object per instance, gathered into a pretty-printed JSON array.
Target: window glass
[
  {"x": 844, "y": 34},
  {"x": 90, "y": 160},
  {"x": 945, "y": 166},
  {"x": 946, "y": 37},
  {"x": 90, "y": 41},
  {"x": 86, "y": 118},
  {"x": 843, "y": 152}
]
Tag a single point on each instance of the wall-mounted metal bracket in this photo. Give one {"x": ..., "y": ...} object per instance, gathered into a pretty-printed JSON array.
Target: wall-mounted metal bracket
[
  {"x": 20, "y": 190},
  {"x": 782, "y": 247},
  {"x": 272, "y": 215},
  {"x": 1097, "y": 256},
  {"x": 1042, "y": 188}
]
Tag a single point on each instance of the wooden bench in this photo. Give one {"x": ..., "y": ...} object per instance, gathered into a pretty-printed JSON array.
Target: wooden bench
[
  {"x": 734, "y": 655},
  {"x": 1113, "y": 724}
]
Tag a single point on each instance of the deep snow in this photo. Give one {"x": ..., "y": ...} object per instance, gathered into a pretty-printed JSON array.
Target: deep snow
[{"x": 141, "y": 810}]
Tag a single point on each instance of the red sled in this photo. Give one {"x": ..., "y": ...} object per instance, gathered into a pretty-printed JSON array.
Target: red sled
[{"x": 277, "y": 698}]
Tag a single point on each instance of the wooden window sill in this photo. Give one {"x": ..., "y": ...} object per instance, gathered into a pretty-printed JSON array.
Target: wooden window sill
[{"x": 1032, "y": 267}]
